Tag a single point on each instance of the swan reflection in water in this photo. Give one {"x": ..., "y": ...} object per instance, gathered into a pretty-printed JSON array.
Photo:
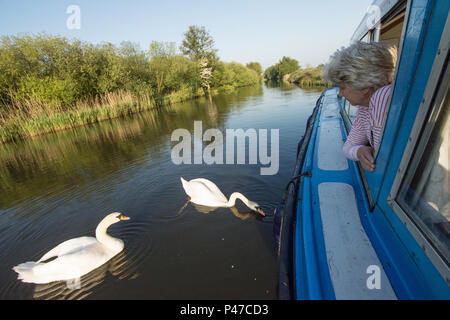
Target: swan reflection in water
[
  {"x": 76, "y": 289},
  {"x": 241, "y": 215}
]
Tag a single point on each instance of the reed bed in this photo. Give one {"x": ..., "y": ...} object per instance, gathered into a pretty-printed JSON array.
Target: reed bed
[{"x": 20, "y": 119}]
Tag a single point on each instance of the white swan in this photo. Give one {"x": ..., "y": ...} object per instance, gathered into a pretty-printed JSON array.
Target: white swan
[
  {"x": 206, "y": 193},
  {"x": 75, "y": 257}
]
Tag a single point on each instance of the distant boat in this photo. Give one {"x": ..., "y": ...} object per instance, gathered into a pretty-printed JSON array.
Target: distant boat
[{"x": 346, "y": 233}]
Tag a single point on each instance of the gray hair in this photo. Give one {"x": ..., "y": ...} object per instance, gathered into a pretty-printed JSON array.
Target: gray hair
[{"x": 361, "y": 65}]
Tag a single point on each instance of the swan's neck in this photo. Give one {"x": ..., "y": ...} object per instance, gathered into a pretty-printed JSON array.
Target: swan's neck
[
  {"x": 105, "y": 239},
  {"x": 237, "y": 195}
]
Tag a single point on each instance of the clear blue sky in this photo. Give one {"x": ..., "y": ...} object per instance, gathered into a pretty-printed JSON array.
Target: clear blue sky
[{"x": 243, "y": 31}]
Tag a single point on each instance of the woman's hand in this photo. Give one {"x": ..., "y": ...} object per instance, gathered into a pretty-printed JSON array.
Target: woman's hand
[{"x": 365, "y": 156}]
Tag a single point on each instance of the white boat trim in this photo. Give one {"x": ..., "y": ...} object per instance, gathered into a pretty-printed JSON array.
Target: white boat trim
[
  {"x": 330, "y": 155},
  {"x": 350, "y": 254}
]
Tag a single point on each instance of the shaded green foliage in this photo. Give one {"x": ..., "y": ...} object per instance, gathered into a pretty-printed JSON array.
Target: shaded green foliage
[
  {"x": 308, "y": 77},
  {"x": 256, "y": 66},
  {"x": 285, "y": 66},
  {"x": 288, "y": 70},
  {"x": 228, "y": 76}
]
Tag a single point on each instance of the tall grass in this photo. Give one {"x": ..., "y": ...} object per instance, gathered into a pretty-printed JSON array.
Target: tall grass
[{"x": 31, "y": 117}]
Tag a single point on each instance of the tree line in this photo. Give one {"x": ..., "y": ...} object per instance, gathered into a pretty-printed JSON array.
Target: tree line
[
  {"x": 59, "y": 71},
  {"x": 41, "y": 75},
  {"x": 289, "y": 70}
]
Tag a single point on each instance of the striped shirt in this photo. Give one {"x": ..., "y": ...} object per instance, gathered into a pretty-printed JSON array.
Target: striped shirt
[{"x": 367, "y": 127}]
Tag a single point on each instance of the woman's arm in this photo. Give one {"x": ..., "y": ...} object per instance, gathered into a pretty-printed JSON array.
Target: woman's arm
[
  {"x": 361, "y": 153},
  {"x": 351, "y": 150},
  {"x": 357, "y": 137}
]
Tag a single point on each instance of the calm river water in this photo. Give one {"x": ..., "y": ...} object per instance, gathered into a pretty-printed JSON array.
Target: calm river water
[{"x": 57, "y": 187}]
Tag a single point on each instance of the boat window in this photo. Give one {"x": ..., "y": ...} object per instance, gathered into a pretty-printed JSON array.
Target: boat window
[
  {"x": 375, "y": 35},
  {"x": 366, "y": 38},
  {"x": 391, "y": 31},
  {"x": 424, "y": 194}
]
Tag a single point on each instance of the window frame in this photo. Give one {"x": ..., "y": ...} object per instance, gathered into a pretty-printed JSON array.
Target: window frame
[
  {"x": 436, "y": 88},
  {"x": 397, "y": 65},
  {"x": 396, "y": 10}
]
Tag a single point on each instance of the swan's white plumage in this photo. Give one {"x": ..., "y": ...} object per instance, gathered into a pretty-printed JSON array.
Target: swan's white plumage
[
  {"x": 68, "y": 247},
  {"x": 75, "y": 257},
  {"x": 206, "y": 193}
]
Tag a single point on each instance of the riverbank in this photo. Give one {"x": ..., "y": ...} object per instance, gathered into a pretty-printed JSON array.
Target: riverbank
[
  {"x": 51, "y": 83},
  {"x": 40, "y": 119}
]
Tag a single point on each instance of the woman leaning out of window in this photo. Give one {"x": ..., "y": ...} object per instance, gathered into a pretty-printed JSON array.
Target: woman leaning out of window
[{"x": 363, "y": 72}]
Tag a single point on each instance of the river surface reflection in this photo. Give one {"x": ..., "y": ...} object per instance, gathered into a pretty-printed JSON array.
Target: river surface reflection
[{"x": 59, "y": 186}]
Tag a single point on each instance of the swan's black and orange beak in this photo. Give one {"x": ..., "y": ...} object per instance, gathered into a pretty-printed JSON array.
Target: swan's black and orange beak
[
  {"x": 260, "y": 211},
  {"x": 122, "y": 217}
]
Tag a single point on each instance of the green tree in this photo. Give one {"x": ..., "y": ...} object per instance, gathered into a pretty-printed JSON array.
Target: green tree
[
  {"x": 271, "y": 73},
  {"x": 161, "y": 54},
  {"x": 198, "y": 44},
  {"x": 256, "y": 66},
  {"x": 286, "y": 66}
]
